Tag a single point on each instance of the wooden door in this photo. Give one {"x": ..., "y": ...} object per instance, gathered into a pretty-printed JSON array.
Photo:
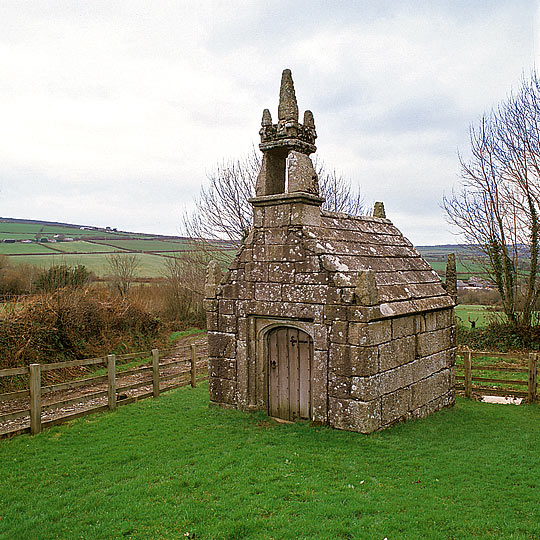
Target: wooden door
[{"x": 290, "y": 354}]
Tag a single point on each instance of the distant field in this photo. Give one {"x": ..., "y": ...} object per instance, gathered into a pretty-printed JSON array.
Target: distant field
[
  {"x": 151, "y": 265},
  {"x": 148, "y": 245},
  {"x": 464, "y": 269},
  {"x": 11, "y": 249},
  {"x": 83, "y": 247}
]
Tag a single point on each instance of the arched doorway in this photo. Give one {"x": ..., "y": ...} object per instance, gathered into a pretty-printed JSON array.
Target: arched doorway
[{"x": 290, "y": 357}]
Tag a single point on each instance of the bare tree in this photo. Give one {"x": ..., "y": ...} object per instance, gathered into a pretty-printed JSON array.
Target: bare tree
[
  {"x": 222, "y": 211},
  {"x": 496, "y": 207},
  {"x": 184, "y": 281},
  {"x": 123, "y": 268}
]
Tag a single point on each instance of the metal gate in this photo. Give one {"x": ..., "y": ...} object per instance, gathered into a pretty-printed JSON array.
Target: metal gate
[{"x": 290, "y": 355}]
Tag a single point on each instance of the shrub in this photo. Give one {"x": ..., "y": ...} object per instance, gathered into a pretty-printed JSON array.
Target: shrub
[
  {"x": 62, "y": 275},
  {"x": 75, "y": 323}
]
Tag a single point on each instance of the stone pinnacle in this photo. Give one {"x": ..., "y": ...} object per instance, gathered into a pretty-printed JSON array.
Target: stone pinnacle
[{"x": 288, "y": 107}]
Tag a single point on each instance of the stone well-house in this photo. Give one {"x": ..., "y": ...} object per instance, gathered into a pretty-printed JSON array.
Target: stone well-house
[{"x": 321, "y": 315}]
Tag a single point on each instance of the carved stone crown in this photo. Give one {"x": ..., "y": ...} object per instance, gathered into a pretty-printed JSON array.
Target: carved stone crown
[{"x": 288, "y": 132}]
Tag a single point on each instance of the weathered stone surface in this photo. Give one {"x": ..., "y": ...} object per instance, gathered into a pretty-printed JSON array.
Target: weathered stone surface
[
  {"x": 302, "y": 175},
  {"x": 364, "y": 360},
  {"x": 309, "y": 263},
  {"x": 334, "y": 312},
  {"x": 396, "y": 352},
  {"x": 310, "y": 294},
  {"x": 268, "y": 291},
  {"x": 402, "y": 326},
  {"x": 223, "y": 368},
  {"x": 353, "y": 415},
  {"x": 428, "y": 343},
  {"x": 257, "y": 271},
  {"x": 226, "y": 307},
  {"x": 365, "y": 388},
  {"x": 428, "y": 389},
  {"x": 393, "y": 379},
  {"x": 395, "y": 406},
  {"x": 338, "y": 386},
  {"x": 222, "y": 390},
  {"x": 212, "y": 321},
  {"x": 366, "y": 290},
  {"x": 338, "y": 332},
  {"x": 281, "y": 272},
  {"x": 221, "y": 345},
  {"x": 372, "y": 333},
  {"x": 227, "y": 323}
]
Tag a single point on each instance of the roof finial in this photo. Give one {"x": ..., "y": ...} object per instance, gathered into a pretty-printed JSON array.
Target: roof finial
[
  {"x": 288, "y": 107},
  {"x": 378, "y": 210}
]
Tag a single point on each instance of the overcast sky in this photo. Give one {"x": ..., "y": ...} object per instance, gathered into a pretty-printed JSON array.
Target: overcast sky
[{"x": 113, "y": 112}]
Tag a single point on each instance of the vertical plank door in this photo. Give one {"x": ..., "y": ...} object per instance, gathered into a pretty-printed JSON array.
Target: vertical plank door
[{"x": 290, "y": 354}]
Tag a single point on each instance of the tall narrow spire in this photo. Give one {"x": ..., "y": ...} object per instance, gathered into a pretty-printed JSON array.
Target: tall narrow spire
[{"x": 288, "y": 107}]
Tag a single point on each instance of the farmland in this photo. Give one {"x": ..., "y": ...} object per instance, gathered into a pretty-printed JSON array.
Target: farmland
[
  {"x": 90, "y": 246},
  {"x": 86, "y": 246}
]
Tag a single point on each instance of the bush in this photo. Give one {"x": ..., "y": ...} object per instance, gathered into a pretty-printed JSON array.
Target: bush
[
  {"x": 62, "y": 275},
  {"x": 15, "y": 280},
  {"x": 75, "y": 323},
  {"x": 497, "y": 336}
]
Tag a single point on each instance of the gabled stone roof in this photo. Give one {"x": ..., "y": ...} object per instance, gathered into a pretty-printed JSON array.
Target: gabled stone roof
[{"x": 371, "y": 255}]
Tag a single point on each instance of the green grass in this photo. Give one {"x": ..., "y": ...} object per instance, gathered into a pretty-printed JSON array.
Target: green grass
[
  {"x": 10, "y": 249},
  {"x": 172, "y": 467},
  {"x": 480, "y": 314},
  {"x": 175, "y": 336}
]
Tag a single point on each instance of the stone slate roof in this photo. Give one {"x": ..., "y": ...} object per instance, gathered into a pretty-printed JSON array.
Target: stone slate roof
[{"x": 348, "y": 246}]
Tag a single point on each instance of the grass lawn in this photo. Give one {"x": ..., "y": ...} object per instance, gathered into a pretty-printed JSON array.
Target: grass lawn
[{"x": 173, "y": 468}]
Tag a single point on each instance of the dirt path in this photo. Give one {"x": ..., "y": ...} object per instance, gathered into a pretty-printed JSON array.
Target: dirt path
[{"x": 181, "y": 352}]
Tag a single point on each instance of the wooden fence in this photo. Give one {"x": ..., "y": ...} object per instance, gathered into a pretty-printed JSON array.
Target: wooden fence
[
  {"x": 184, "y": 372},
  {"x": 503, "y": 386}
]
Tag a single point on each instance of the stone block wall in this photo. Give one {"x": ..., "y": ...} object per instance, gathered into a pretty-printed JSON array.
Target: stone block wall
[
  {"x": 371, "y": 369},
  {"x": 389, "y": 370}
]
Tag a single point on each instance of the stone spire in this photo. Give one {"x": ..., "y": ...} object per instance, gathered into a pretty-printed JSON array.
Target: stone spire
[{"x": 288, "y": 107}]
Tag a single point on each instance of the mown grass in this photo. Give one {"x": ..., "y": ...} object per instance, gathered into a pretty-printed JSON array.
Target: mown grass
[{"x": 174, "y": 468}]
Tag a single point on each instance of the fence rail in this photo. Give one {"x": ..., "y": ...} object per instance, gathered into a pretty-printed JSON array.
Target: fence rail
[
  {"x": 530, "y": 394},
  {"x": 115, "y": 394}
]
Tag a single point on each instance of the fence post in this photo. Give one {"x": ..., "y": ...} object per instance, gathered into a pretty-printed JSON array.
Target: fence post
[
  {"x": 532, "y": 377},
  {"x": 467, "y": 364},
  {"x": 193, "y": 366},
  {"x": 111, "y": 386},
  {"x": 155, "y": 372},
  {"x": 35, "y": 398}
]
